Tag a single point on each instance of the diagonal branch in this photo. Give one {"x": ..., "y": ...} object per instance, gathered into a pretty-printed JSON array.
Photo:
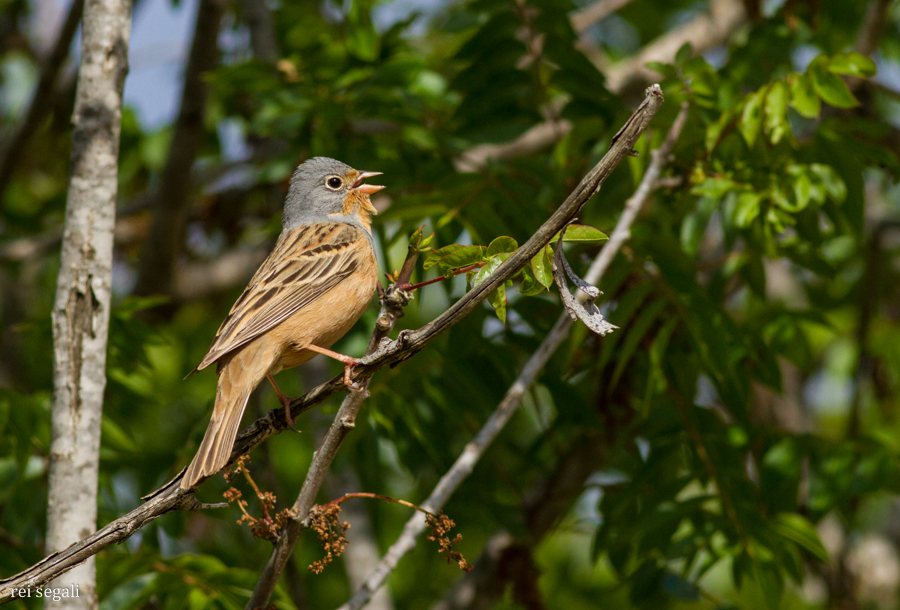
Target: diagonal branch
[
  {"x": 473, "y": 452},
  {"x": 703, "y": 33},
  {"x": 584, "y": 18},
  {"x": 624, "y": 78},
  {"x": 170, "y": 497}
]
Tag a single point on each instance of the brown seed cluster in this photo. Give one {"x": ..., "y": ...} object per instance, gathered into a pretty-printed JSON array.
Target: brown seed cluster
[
  {"x": 441, "y": 525},
  {"x": 324, "y": 521},
  {"x": 266, "y": 527}
]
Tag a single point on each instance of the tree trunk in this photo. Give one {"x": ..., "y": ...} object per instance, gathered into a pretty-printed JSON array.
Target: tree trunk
[
  {"x": 166, "y": 238},
  {"x": 81, "y": 310}
]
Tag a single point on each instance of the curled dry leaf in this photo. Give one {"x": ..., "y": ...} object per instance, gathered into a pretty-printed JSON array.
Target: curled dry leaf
[{"x": 587, "y": 313}]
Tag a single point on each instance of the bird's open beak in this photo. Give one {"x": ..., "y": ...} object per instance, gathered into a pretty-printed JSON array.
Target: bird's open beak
[{"x": 368, "y": 189}]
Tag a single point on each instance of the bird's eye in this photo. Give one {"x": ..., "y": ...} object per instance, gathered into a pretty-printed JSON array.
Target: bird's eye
[{"x": 334, "y": 183}]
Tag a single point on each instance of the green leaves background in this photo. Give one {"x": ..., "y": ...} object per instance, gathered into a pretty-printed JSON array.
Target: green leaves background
[{"x": 688, "y": 460}]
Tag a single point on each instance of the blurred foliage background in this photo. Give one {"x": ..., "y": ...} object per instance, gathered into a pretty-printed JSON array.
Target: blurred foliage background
[{"x": 734, "y": 445}]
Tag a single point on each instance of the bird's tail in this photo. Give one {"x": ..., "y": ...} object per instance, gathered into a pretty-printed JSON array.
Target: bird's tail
[{"x": 238, "y": 377}]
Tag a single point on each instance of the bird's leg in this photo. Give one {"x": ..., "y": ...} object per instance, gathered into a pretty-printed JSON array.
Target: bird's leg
[
  {"x": 285, "y": 402},
  {"x": 348, "y": 361}
]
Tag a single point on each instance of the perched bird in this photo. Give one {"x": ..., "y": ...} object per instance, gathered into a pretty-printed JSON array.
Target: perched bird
[{"x": 307, "y": 294}]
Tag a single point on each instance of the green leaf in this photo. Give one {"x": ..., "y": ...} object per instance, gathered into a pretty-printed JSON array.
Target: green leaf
[
  {"x": 115, "y": 437},
  {"x": 362, "y": 40},
  {"x": 502, "y": 244},
  {"x": 776, "y": 111},
  {"x": 802, "y": 189},
  {"x": 582, "y": 234},
  {"x": 489, "y": 268},
  {"x": 714, "y": 131},
  {"x": 540, "y": 264},
  {"x": 853, "y": 64},
  {"x": 530, "y": 286},
  {"x": 770, "y": 581},
  {"x": 454, "y": 256},
  {"x": 751, "y": 116},
  {"x": 746, "y": 209},
  {"x": 832, "y": 88},
  {"x": 635, "y": 333},
  {"x": 803, "y": 96},
  {"x": 498, "y": 300},
  {"x": 683, "y": 54},
  {"x": 714, "y": 188},
  {"x": 830, "y": 179},
  {"x": 796, "y": 528},
  {"x": 667, "y": 70}
]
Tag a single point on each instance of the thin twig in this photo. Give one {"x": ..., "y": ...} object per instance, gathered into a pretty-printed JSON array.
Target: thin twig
[
  {"x": 170, "y": 497},
  {"x": 410, "y": 287},
  {"x": 473, "y": 452},
  {"x": 371, "y": 496}
]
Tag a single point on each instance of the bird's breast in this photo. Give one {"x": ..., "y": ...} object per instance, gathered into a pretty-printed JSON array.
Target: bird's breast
[{"x": 328, "y": 318}]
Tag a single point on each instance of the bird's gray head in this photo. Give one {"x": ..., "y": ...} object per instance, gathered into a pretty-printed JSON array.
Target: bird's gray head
[{"x": 326, "y": 190}]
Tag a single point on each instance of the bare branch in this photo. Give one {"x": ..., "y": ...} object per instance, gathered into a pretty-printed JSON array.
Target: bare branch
[
  {"x": 872, "y": 27},
  {"x": 196, "y": 280},
  {"x": 170, "y": 208},
  {"x": 473, "y": 452},
  {"x": 42, "y": 100},
  {"x": 541, "y": 135},
  {"x": 703, "y": 33},
  {"x": 591, "y": 14},
  {"x": 170, "y": 497},
  {"x": 624, "y": 78}
]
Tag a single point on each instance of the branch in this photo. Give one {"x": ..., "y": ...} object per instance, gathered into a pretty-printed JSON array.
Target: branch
[
  {"x": 872, "y": 28},
  {"x": 231, "y": 268},
  {"x": 42, "y": 100},
  {"x": 589, "y": 15},
  {"x": 170, "y": 497},
  {"x": 703, "y": 33},
  {"x": 170, "y": 208},
  {"x": 543, "y": 506},
  {"x": 623, "y": 78},
  {"x": 473, "y": 452}
]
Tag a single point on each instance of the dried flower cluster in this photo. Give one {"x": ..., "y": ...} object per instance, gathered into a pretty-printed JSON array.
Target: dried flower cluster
[
  {"x": 441, "y": 525},
  {"x": 266, "y": 528},
  {"x": 324, "y": 521}
]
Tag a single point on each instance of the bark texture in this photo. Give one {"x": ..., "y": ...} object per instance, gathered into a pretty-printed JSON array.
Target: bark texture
[{"x": 81, "y": 309}]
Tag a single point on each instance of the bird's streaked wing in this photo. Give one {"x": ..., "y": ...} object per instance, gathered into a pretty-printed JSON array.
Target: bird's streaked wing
[{"x": 305, "y": 264}]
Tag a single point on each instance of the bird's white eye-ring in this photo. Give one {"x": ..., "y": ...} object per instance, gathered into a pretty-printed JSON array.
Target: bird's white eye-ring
[{"x": 334, "y": 183}]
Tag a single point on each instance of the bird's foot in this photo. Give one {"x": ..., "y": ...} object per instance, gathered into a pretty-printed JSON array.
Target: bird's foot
[
  {"x": 285, "y": 402},
  {"x": 348, "y": 381}
]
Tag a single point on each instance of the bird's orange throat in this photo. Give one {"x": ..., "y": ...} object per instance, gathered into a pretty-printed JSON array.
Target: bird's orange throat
[{"x": 359, "y": 203}]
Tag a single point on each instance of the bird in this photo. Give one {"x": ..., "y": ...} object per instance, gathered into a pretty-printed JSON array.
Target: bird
[{"x": 315, "y": 284}]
